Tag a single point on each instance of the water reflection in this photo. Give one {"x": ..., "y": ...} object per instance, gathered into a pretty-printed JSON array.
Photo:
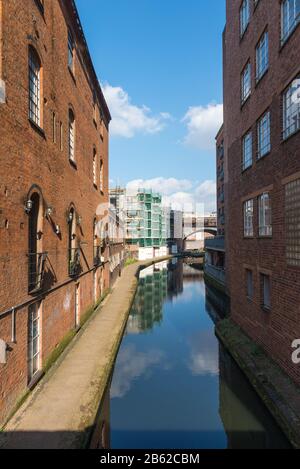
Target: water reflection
[{"x": 173, "y": 385}]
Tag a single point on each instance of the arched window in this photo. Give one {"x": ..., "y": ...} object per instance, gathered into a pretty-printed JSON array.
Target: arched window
[
  {"x": 34, "y": 87},
  {"x": 71, "y": 135},
  {"x": 74, "y": 249},
  {"x": 36, "y": 257}
]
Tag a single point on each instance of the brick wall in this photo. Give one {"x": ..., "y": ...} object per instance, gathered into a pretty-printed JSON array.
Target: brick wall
[
  {"x": 274, "y": 330},
  {"x": 29, "y": 157}
]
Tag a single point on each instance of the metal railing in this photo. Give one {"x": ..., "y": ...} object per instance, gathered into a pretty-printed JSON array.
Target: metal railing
[
  {"x": 75, "y": 267},
  {"x": 217, "y": 273},
  {"x": 217, "y": 243},
  {"x": 36, "y": 269}
]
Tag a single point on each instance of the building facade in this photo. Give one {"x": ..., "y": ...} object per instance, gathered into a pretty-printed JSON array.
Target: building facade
[
  {"x": 261, "y": 136},
  {"x": 215, "y": 257},
  {"x": 53, "y": 182}
]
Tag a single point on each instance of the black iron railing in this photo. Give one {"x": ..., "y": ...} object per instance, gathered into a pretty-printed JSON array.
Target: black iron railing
[{"x": 36, "y": 270}]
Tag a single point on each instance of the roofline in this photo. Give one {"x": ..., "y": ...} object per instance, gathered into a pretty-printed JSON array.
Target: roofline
[
  {"x": 220, "y": 131},
  {"x": 71, "y": 10}
]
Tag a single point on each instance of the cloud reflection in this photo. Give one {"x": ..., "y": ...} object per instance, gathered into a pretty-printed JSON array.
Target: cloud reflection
[
  {"x": 204, "y": 354},
  {"x": 131, "y": 365}
]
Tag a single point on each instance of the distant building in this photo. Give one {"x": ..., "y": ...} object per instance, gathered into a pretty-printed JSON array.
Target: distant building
[
  {"x": 145, "y": 222},
  {"x": 174, "y": 230}
]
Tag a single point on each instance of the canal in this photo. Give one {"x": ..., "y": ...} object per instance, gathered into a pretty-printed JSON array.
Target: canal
[{"x": 174, "y": 386}]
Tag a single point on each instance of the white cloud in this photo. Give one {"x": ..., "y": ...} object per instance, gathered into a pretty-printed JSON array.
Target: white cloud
[
  {"x": 162, "y": 185},
  {"x": 180, "y": 194},
  {"x": 129, "y": 119},
  {"x": 203, "y": 123}
]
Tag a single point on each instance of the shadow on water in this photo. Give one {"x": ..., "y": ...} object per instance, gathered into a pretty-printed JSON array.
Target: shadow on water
[{"x": 174, "y": 385}]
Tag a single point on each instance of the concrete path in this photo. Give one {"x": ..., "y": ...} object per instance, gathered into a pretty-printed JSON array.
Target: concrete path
[{"x": 61, "y": 410}]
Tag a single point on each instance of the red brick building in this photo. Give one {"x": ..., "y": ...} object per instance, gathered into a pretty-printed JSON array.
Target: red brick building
[
  {"x": 262, "y": 140},
  {"x": 53, "y": 186}
]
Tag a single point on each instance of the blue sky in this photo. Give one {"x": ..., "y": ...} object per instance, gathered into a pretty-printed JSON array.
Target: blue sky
[{"x": 160, "y": 66}]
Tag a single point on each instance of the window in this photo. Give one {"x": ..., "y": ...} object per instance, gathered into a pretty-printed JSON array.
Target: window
[
  {"x": 263, "y": 135},
  {"x": 246, "y": 82},
  {"x": 71, "y": 135},
  {"x": 244, "y": 16},
  {"x": 95, "y": 167},
  {"x": 248, "y": 218},
  {"x": 292, "y": 216},
  {"x": 101, "y": 176},
  {"x": 291, "y": 109},
  {"x": 71, "y": 49},
  {"x": 33, "y": 340},
  {"x": 266, "y": 291},
  {"x": 247, "y": 151},
  {"x": 290, "y": 17},
  {"x": 34, "y": 87},
  {"x": 262, "y": 56},
  {"x": 249, "y": 278},
  {"x": 264, "y": 215}
]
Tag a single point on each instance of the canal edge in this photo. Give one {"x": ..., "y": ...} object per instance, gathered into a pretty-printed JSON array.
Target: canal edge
[{"x": 269, "y": 381}]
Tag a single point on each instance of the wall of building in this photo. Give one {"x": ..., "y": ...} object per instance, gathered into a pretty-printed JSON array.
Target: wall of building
[
  {"x": 32, "y": 160},
  {"x": 275, "y": 329}
]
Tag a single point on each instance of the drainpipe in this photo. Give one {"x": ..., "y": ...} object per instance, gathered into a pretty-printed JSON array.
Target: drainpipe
[{"x": 2, "y": 83}]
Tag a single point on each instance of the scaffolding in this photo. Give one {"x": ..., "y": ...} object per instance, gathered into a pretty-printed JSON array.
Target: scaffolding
[{"x": 145, "y": 220}]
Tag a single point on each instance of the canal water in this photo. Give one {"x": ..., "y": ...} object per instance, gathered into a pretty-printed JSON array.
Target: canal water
[{"x": 174, "y": 386}]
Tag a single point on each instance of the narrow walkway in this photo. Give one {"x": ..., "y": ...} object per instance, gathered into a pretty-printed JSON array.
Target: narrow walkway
[{"x": 61, "y": 410}]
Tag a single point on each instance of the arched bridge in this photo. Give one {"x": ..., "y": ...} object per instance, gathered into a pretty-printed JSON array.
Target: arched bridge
[{"x": 206, "y": 229}]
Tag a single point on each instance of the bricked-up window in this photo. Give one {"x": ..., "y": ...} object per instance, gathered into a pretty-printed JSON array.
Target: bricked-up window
[
  {"x": 264, "y": 215},
  {"x": 291, "y": 109},
  {"x": 290, "y": 17},
  {"x": 244, "y": 16},
  {"x": 248, "y": 218},
  {"x": 265, "y": 291},
  {"x": 54, "y": 127},
  {"x": 71, "y": 135},
  {"x": 249, "y": 282},
  {"x": 71, "y": 51},
  {"x": 34, "y": 87},
  {"x": 247, "y": 151},
  {"x": 292, "y": 214},
  {"x": 246, "y": 83},
  {"x": 263, "y": 135},
  {"x": 262, "y": 56}
]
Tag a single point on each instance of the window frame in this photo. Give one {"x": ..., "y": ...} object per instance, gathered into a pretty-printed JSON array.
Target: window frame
[
  {"x": 284, "y": 36},
  {"x": 244, "y": 15},
  {"x": 248, "y": 230},
  {"x": 34, "y": 87},
  {"x": 260, "y": 71},
  {"x": 72, "y": 135},
  {"x": 265, "y": 229},
  {"x": 287, "y": 94},
  {"x": 246, "y": 166},
  {"x": 245, "y": 94},
  {"x": 263, "y": 151},
  {"x": 266, "y": 306}
]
